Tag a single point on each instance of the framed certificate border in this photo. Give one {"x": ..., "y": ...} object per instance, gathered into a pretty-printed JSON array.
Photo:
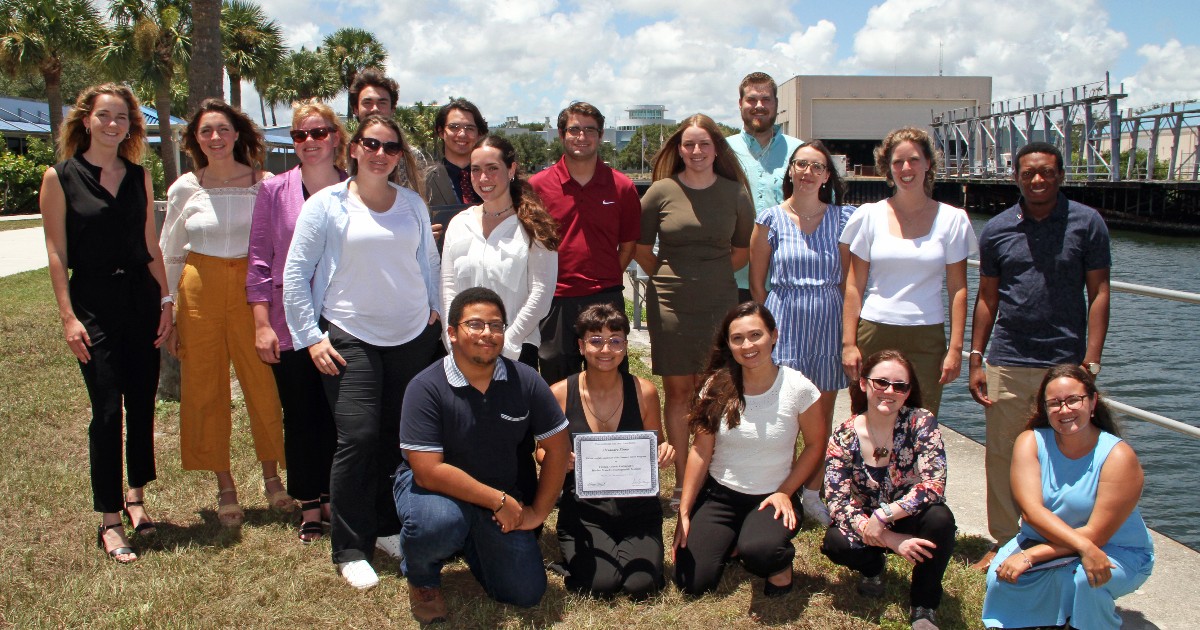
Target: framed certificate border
[{"x": 646, "y": 445}]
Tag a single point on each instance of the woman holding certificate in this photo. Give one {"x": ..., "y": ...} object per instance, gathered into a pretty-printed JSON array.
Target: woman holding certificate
[
  {"x": 609, "y": 545},
  {"x": 739, "y": 491}
]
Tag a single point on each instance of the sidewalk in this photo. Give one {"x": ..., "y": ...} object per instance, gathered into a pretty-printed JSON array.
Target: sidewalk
[{"x": 22, "y": 250}]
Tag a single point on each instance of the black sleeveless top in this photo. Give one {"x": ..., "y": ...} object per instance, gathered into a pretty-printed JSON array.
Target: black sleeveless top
[
  {"x": 631, "y": 420},
  {"x": 104, "y": 233}
]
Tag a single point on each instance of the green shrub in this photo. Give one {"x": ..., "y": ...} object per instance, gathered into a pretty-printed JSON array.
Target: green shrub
[{"x": 20, "y": 178}]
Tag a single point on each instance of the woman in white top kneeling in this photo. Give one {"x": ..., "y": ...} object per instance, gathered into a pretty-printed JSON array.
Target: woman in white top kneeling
[{"x": 739, "y": 492}]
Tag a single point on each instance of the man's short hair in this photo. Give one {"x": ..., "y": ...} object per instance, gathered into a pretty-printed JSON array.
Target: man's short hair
[
  {"x": 1037, "y": 147},
  {"x": 579, "y": 108},
  {"x": 474, "y": 295},
  {"x": 373, "y": 77},
  {"x": 757, "y": 78},
  {"x": 439, "y": 121}
]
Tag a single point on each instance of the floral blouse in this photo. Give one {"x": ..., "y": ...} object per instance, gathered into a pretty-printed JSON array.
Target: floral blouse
[{"x": 916, "y": 472}]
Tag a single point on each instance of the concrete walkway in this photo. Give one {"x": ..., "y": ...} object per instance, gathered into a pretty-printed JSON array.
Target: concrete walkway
[{"x": 22, "y": 250}]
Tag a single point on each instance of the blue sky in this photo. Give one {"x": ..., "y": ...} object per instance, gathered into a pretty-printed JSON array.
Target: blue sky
[{"x": 529, "y": 58}]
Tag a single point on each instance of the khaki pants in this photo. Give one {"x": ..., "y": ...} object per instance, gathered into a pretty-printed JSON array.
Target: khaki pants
[
  {"x": 923, "y": 346},
  {"x": 215, "y": 326},
  {"x": 1012, "y": 390}
]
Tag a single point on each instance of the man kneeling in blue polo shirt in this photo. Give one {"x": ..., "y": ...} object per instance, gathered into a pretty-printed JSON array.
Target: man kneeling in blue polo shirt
[{"x": 462, "y": 421}]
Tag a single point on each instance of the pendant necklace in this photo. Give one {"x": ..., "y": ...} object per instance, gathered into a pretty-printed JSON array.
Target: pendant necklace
[
  {"x": 880, "y": 452},
  {"x": 603, "y": 421},
  {"x": 495, "y": 215}
]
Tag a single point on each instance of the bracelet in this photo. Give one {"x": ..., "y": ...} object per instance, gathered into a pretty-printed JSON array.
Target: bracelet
[
  {"x": 503, "y": 500},
  {"x": 975, "y": 352},
  {"x": 1027, "y": 560},
  {"x": 879, "y": 515},
  {"x": 165, "y": 301},
  {"x": 887, "y": 513}
]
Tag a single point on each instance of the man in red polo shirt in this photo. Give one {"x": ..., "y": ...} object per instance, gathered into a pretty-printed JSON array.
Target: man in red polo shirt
[{"x": 599, "y": 216}]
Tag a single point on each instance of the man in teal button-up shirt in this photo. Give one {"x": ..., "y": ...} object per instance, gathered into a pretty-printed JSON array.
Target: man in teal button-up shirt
[{"x": 762, "y": 150}]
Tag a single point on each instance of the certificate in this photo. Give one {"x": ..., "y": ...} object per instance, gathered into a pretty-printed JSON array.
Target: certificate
[{"x": 619, "y": 464}]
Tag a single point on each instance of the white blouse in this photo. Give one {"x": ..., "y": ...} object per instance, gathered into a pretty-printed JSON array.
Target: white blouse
[
  {"x": 209, "y": 221},
  {"x": 522, "y": 272}
]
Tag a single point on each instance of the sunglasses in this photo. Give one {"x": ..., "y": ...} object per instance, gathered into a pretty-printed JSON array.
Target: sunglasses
[
  {"x": 391, "y": 148},
  {"x": 881, "y": 385},
  {"x": 317, "y": 133}
]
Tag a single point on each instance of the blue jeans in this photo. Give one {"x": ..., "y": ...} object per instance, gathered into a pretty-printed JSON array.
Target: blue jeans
[{"x": 434, "y": 527}]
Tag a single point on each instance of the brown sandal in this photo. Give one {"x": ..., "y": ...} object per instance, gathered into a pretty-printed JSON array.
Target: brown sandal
[
  {"x": 230, "y": 514},
  {"x": 279, "y": 500}
]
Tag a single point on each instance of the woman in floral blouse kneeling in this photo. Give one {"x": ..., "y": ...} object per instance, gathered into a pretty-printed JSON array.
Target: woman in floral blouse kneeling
[{"x": 885, "y": 482}]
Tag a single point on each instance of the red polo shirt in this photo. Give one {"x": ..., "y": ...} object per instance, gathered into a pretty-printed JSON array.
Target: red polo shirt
[{"x": 593, "y": 220}]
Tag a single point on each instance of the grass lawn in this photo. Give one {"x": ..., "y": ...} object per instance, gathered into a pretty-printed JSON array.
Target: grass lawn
[
  {"x": 20, "y": 224},
  {"x": 195, "y": 574}
]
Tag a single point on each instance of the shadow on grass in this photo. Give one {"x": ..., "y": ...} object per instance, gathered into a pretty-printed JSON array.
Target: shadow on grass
[
  {"x": 970, "y": 549},
  {"x": 209, "y": 532}
]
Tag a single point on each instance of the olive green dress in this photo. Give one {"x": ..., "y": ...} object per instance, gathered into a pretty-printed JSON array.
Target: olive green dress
[{"x": 694, "y": 286}]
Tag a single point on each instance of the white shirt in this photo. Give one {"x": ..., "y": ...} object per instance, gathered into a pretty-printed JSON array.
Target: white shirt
[
  {"x": 209, "y": 221},
  {"x": 522, "y": 273},
  {"x": 756, "y": 456},
  {"x": 904, "y": 286}
]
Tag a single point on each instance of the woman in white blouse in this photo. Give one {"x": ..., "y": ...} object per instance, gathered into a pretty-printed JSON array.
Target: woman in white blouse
[
  {"x": 204, "y": 241},
  {"x": 900, "y": 250},
  {"x": 506, "y": 244}
]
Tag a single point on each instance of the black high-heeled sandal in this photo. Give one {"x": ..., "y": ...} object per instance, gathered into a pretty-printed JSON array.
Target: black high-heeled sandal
[
  {"x": 119, "y": 551},
  {"x": 146, "y": 527},
  {"x": 310, "y": 531}
]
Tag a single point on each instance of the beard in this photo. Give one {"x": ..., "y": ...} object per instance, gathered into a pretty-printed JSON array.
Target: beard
[{"x": 758, "y": 124}]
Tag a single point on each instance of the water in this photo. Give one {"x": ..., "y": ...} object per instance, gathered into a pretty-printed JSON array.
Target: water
[{"x": 1150, "y": 361}]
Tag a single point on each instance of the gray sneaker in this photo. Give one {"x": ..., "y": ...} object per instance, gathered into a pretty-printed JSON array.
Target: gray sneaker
[
  {"x": 923, "y": 618},
  {"x": 817, "y": 510},
  {"x": 871, "y": 586}
]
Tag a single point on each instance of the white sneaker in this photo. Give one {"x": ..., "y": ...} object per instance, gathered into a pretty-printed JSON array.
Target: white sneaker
[
  {"x": 390, "y": 545},
  {"x": 815, "y": 508},
  {"x": 359, "y": 574}
]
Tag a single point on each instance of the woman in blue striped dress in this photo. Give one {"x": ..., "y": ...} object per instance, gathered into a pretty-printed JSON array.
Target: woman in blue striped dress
[{"x": 797, "y": 242}]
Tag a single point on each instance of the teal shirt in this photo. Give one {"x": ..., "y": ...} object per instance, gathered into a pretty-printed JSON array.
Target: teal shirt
[{"x": 764, "y": 168}]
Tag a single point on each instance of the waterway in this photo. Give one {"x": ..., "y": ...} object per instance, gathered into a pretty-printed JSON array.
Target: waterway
[{"x": 1151, "y": 361}]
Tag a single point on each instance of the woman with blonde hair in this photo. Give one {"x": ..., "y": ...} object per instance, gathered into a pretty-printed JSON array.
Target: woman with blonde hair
[
  {"x": 901, "y": 248},
  {"x": 98, "y": 212},
  {"x": 205, "y": 240},
  {"x": 308, "y": 432},
  {"x": 699, "y": 211}
]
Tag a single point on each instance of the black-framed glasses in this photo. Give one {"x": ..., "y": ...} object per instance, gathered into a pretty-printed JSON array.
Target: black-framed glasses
[
  {"x": 881, "y": 385},
  {"x": 1070, "y": 402},
  {"x": 478, "y": 326},
  {"x": 598, "y": 342},
  {"x": 317, "y": 133},
  {"x": 816, "y": 167},
  {"x": 454, "y": 128},
  {"x": 590, "y": 132},
  {"x": 391, "y": 148}
]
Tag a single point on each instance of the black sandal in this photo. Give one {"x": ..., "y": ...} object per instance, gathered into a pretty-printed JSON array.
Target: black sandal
[
  {"x": 119, "y": 551},
  {"x": 146, "y": 527},
  {"x": 310, "y": 531}
]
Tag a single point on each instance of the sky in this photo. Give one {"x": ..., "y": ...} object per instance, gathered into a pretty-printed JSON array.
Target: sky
[{"x": 530, "y": 58}]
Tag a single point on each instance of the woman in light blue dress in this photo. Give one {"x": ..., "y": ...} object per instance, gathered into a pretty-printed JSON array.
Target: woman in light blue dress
[
  {"x": 797, "y": 243},
  {"x": 1082, "y": 542}
]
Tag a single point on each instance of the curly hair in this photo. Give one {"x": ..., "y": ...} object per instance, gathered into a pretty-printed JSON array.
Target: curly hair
[
  {"x": 313, "y": 107},
  {"x": 722, "y": 396},
  {"x": 406, "y": 176},
  {"x": 667, "y": 161},
  {"x": 74, "y": 136},
  {"x": 530, "y": 212},
  {"x": 373, "y": 77},
  {"x": 921, "y": 139},
  {"x": 832, "y": 190},
  {"x": 247, "y": 149},
  {"x": 1102, "y": 417}
]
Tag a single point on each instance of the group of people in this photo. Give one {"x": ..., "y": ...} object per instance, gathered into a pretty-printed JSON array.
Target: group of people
[{"x": 424, "y": 380}]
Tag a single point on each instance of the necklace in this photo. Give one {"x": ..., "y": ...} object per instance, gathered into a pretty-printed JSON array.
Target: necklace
[
  {"x": 806, "y": 217},
  {"x": 224, "y": 181},
  {"x": 495, "y": 215},
  {"x": 880, "y": 452},
  {"x": 603, "y": 421}
]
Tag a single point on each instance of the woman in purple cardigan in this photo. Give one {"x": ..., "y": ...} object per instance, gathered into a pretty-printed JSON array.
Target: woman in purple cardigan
[{"x": 309, "y": 436}]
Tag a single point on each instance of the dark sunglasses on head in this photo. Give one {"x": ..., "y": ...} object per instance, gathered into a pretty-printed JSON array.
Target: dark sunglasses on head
[
  {"x": 390, "y": 148},
  {"x": 881, "y": 384},
  {"x": 317, "y": 133}
]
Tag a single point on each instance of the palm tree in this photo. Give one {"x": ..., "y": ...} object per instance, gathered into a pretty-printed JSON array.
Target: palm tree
[
  {"x": 36, "y": 36},
  {"x": 252, "y": 43},
  {"x": 204, "y": 71},
  {"x": 304, "y": 74},
  {"x": 352, "y": 50},
  {"x": 151, "y": 44}
]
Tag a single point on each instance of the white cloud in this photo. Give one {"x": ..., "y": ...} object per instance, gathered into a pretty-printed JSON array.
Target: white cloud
[{"x": 1171, "y": 72}]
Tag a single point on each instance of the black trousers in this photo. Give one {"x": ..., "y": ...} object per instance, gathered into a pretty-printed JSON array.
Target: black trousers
[
  {"x": 612, "y": 546},
  {"x": 309, "y": 435},
  {"x": 935, "y": 524},
  {"x": 559, "y": 356},
  {"x": 121, "y": 314},
  {"x": 722, "y": 520},
  {"x": 366, "y": 397}
]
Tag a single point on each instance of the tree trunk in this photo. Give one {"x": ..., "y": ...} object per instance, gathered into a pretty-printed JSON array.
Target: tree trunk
[
  {"x": 162, "y": 101},
  {"x": 52, "y": 75},
  {"x": 235, "y": 90},
  {"x": 205, "y": 70},
  {"x": 262, "y": 108}
]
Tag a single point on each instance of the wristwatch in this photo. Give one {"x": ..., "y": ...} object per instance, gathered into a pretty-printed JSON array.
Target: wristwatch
[{"x": 1093, "y": 367}]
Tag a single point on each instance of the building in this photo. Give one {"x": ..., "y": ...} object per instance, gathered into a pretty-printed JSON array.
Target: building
[
  {"x": 851, "y": 114},
  {"x": 642, "y": 115}
]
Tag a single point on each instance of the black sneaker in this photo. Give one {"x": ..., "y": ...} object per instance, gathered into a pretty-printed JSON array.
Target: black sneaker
[
  {"x": 871, "y": 586},
  {"x": 923, "y": 618},
  {"x": 771, "y": 590}
]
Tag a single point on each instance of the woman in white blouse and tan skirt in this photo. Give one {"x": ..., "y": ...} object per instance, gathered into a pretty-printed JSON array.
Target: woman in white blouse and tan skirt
[{"x": 204, "y": 241}]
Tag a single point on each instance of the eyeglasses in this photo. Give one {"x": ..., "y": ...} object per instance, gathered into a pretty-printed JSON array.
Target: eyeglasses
[
  {"x": 598, "y": 342},
  {"x": 1070, "y": 402},
  {"x": 816, "y": 167},
  {"x": 590, "y": 132},
  {"x": 391, "y": 148},
  {"x": 1048, "y": 174},
  {"x": 478, "y": 326},
  {"x": 454, "y": 128},
  {"x": 881, "y": 385},
  {"x": 317, "y": 133}
]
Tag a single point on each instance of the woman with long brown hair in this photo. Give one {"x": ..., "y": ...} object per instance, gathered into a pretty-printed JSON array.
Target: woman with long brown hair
[{"x": 98, "y": 212}]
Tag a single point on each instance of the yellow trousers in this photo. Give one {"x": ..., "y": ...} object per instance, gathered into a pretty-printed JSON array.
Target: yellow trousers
[{"x": 215, "y": 326}]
